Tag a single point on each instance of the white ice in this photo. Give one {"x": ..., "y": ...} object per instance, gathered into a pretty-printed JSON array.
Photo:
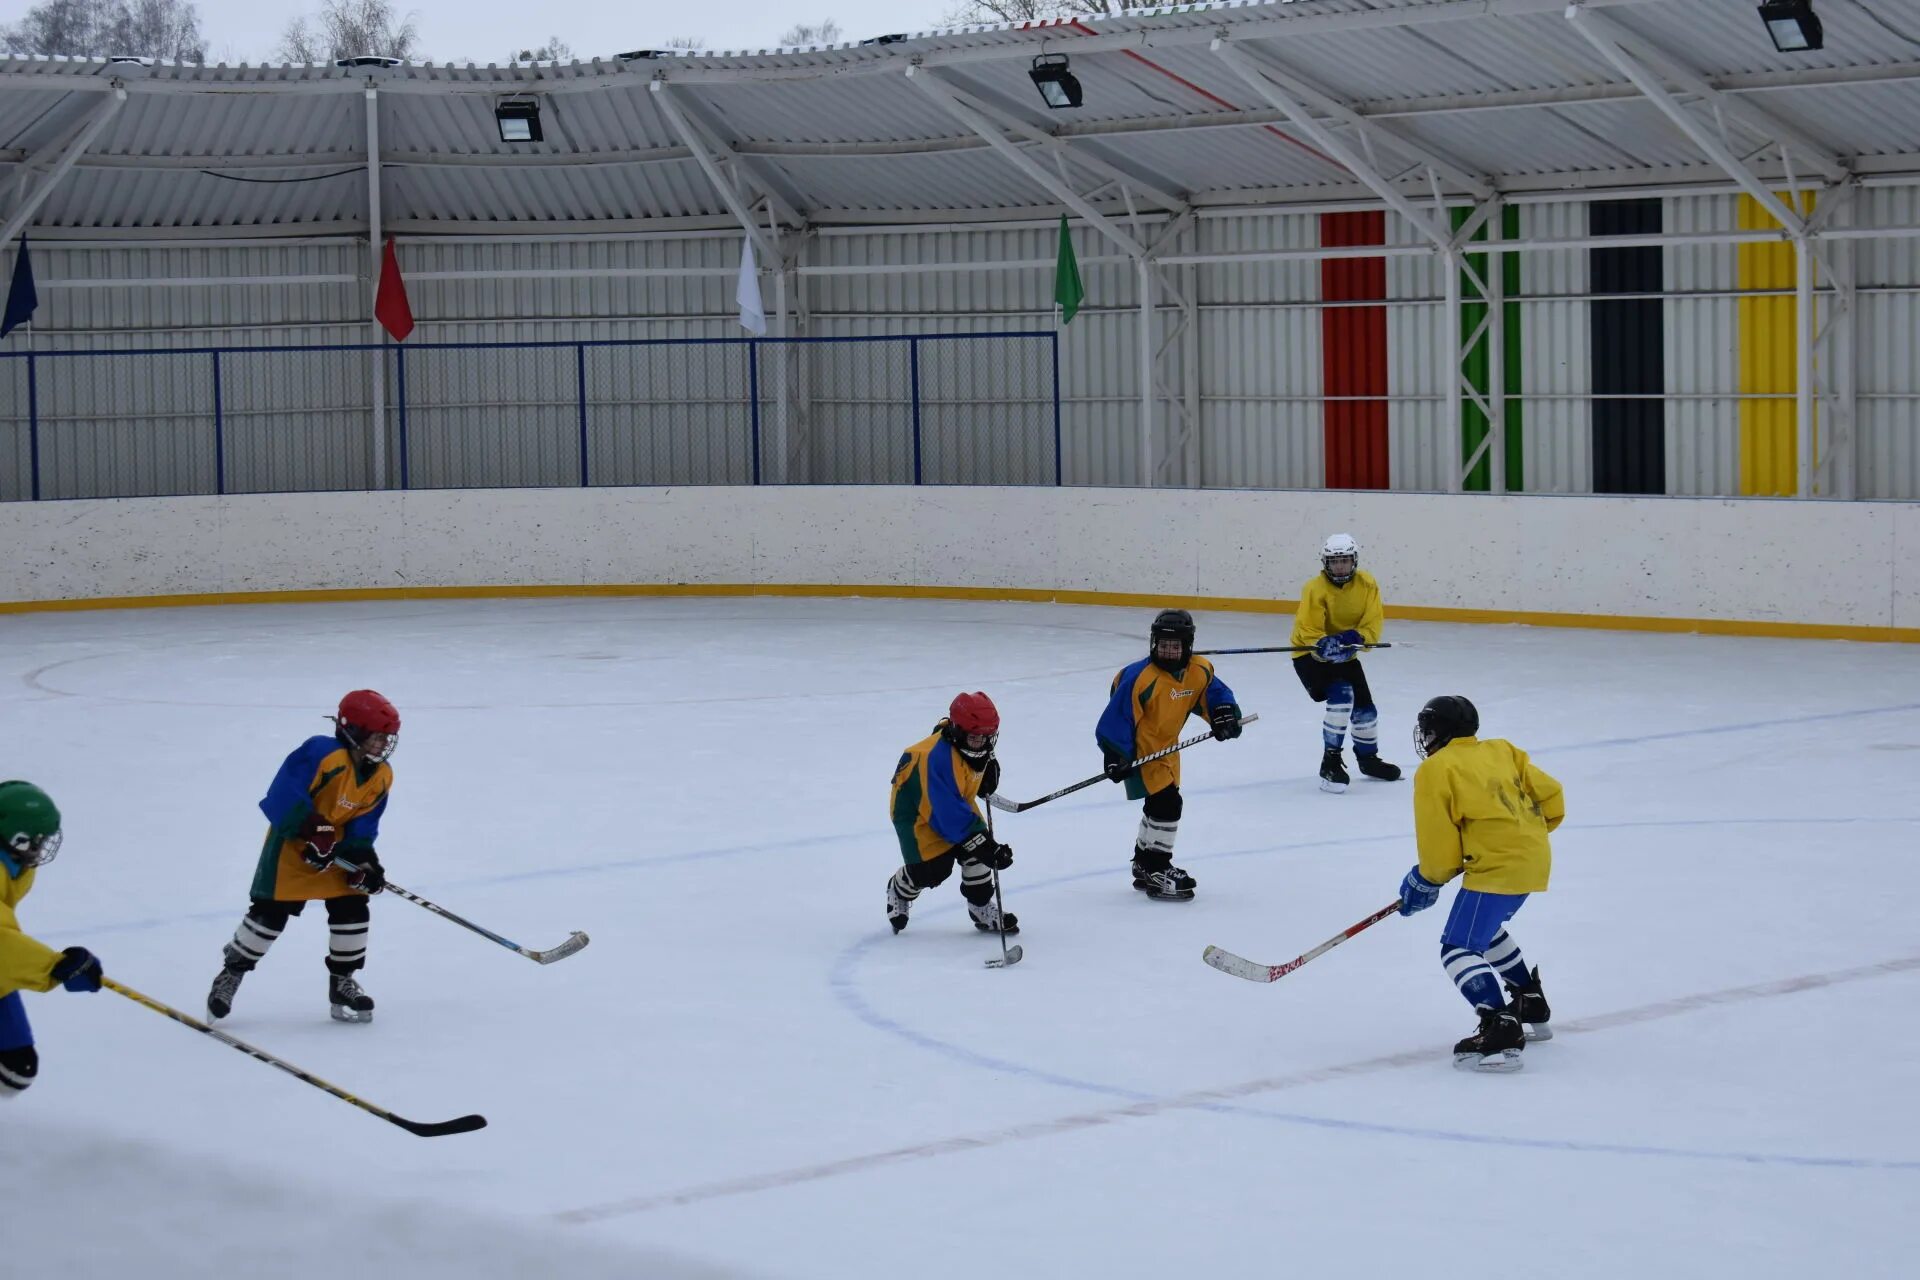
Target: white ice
[{"x": 746, "y": 1074}]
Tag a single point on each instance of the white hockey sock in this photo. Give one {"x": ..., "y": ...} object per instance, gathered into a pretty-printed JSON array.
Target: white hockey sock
[
  {"x": 1503, "y": 953},
  {"x": 1333, "y": 726},
  {"x": 905, "y": 887},
  {"x": 346, "y": 946},
  {"x": 250, "y": 942},
  {"x": 1474, "y": 976},
  {"x": 1156, "y": 836},
  {"x": 1366, "y": 732}
]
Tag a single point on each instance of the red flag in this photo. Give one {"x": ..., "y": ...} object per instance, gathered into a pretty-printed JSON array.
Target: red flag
[{"x": 390, "y": 306}]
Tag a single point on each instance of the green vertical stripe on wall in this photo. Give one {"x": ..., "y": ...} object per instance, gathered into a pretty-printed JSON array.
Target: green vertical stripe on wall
[{"x": 1477, "y": 366}]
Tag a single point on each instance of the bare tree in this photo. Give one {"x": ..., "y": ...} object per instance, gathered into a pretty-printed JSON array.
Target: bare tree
[
  {"x": 554, "y": 50},
  {"x": 168, "y": 30},
  {"x": 686, "y": 42},
  {"x": 350, "y": 29},
  {"x": 967, "y": 12},
  {"x": 825, "y": 31}
]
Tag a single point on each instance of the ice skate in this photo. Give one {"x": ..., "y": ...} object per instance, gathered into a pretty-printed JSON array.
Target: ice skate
[
  {"x": 225, "y": 985},
  {"x": 1374, "y": 767},
  {"x": 1529, "y": 1004},
  {"x": 350, "y": 1003},
  {"x": 898, "y": 905},
  {"x": 1333, "y": 774},
  {"x": 1165, "y": 881},
  {"x": 1495, "y": 1046},
  {"x": 987, "y": 918}
]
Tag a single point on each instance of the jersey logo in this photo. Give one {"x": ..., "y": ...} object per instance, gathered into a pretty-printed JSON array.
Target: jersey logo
[{"x": 1178, "y": 694}]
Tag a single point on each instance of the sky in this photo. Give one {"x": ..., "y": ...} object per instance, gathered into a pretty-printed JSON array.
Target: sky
[{"x": 490, "y": 30}]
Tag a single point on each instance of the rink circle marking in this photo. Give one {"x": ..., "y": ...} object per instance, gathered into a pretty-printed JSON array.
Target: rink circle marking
[{"x": 844, "y": 983}]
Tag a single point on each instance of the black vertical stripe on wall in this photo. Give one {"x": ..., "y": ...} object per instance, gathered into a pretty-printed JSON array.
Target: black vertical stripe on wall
[{"x": 1627, "y": 352}]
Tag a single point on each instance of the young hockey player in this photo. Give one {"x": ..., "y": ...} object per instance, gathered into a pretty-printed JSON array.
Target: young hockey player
[
  {"x": 29, "y": 837},
  {"x": 1151, "y": 700},
  {"x": 934, "y": 815},
  {"x": 325, "y": 803},
  {"x": 1485, "y": 809},
  {"x": 1339, "y": 612}
]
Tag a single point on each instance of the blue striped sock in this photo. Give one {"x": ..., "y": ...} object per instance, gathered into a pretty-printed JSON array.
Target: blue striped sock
[
  {"x": 1503, "y": 953},
  {"x": 1471, "y": 973}
]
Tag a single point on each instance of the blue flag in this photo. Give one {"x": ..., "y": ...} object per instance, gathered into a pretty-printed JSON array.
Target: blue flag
[{"x": 22, "y": 297}]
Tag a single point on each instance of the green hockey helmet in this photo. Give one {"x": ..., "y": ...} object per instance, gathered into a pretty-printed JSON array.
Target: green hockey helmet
[{"x": 29, "y": 827}]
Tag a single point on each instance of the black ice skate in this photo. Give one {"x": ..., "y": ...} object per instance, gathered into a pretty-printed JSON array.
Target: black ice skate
[
  {"x": 1165, "y": 881},
  {"x": 350, "y": 1003},
  {"x": 897, "y": 906},
  {"x": 987, "y": 919},
  {"x": 1529, "y": 1004},
  {"x": 225, "y": 984},
  {"x": 1374, "y": 767},
  {"x": 1495, "y": 1046},
  {"x": 1333, "y": 774}
]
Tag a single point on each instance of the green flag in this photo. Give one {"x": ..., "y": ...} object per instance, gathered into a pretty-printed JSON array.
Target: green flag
[{"x": 1067, "y": 291}]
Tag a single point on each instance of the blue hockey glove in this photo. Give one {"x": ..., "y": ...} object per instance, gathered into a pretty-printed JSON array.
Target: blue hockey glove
[
  {"x": 77, "y": 969},
  {"x": 1331, "y": 649},
  {"x": 1417, "y": 893},
  {"x": 1352, "y": 639}
]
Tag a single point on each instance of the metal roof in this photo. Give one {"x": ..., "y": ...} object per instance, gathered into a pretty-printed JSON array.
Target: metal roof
[{"x": 1507, "y": 93}]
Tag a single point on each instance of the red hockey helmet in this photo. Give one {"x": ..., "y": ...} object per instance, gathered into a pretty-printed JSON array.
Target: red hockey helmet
[
  {"x": 368, "y": 723},
  {"x": 973, "y": 726}
]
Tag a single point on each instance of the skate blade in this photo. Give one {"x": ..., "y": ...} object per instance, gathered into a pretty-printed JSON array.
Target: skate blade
[
  {"x": 990, "y": 929},
  {"x": 1332, "y": 788},
  {"x": 343, "y": 1014},
  {"x": 1011, "y": 958},
  {"x": 1505, "y": 1062},
  {"x": 1537, "y": 1033},
  {"x": 1184, "y": 895}
]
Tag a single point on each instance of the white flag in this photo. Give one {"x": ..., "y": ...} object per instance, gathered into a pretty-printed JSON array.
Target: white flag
[{"x": 753, "y": 316}]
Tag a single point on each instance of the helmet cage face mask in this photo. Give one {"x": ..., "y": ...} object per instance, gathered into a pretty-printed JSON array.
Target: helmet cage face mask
[
  {"x": 1339, "y": 568},
  {"x": 975, "y": 748},
  {"x": 33, "y": 851},
  {"x": 375, "y": 747}
]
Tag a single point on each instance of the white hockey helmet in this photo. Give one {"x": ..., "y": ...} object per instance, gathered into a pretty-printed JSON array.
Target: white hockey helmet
[{"x": 1339, "y": 547}]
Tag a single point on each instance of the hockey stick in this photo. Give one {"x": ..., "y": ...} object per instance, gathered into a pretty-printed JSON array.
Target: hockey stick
[
  {"x": 1292, "y": 648},
  {"x": 465, "y": 1124},
  {"x": 574, "y": 942},
  {"x": 1008, "y": 955},
  {"x": 1021, "y": 806},
  {"x": 1227, "y": 962}
]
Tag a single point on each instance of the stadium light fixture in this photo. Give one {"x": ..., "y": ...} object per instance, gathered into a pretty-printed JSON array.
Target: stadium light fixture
[
  {"x": 1057, "y": 85},
  {"x": 1793, "y": 25},
  {"x": 519, "y": 120}
]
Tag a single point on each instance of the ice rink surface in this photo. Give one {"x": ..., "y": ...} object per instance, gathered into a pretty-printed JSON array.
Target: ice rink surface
[{"x": 745, "y": 1074}]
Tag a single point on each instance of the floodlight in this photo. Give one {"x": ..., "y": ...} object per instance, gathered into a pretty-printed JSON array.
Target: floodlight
[
  {"x": 1056, "y": 84},
  {"x": 519, "y": 120},
  {"x": 1793, "y": 25}
]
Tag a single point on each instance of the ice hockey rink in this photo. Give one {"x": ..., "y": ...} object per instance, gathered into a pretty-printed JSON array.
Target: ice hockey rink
[{"x": 746, "y": 1074}]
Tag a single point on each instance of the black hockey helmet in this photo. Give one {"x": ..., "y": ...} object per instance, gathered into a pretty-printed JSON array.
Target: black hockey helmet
[
  {"x": 1443, "y": 719},
  {"x": 1171, "y": 624}
]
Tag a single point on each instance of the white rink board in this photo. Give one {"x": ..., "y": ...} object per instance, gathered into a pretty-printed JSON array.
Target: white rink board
[{"x": 1760, "y": 560}]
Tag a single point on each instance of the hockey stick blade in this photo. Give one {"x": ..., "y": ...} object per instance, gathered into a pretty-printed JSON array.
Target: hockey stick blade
[
  {"x": 1238, "y": 966},
  {"x": 1014, "y": 953},
  {"x": 441, "y": 1128},
  {"x": 561, "y": 952},
  {"x": 1241, "y": 967}
]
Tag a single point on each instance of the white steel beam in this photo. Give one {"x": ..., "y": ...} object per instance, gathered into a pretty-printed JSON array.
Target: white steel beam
[
  {"x": 376, "y": 358},
  {"x": 1037, "y": 174},
  {"x": 1335, "y": 147},
  {"x": 1755, "y": 117},
  {"x": 781, "y": 198},
  {"x": 1458, "y": 172},
  {"x": 1656, "y": 93},
  {"x": 1805, "y": 339},
  {"x": 33, "y": 199},
  {"x": 735, "y": 203}
]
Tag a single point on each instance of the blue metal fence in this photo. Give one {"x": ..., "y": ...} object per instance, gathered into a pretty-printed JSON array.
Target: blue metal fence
[{"x": 961, "y": 408}]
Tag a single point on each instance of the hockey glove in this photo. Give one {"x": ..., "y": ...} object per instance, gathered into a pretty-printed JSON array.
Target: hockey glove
[
  {"x": 990, "y": 776},
  {"x": 1331, "y": 649},
  {"x": 1417, "y": 893},
  {"x": 985, "y": 850},
  {"x": 77, "y": 969},
  {"x": 1116, "y": 767},
  {"x": 1353, "y": 640},
  {"x": 1225, "y": 720},
  {"x": 368, "y": 876},
  {"x": 319, "y": 837}
]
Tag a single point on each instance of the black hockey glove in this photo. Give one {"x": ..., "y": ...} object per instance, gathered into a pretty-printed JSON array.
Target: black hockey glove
[
  {"x": 985, "y": 850},
  {"x": 318, "y": 837},
  {"x": 990, "y": 776},
  {"x": 368, "y": 876},
  {"x": 77, "y": 969},
  {"x": 1117, "y": 767},
  {"x": 1225, "y": 720}
]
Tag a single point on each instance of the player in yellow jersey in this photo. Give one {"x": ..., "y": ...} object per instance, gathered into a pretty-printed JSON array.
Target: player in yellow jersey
[
  {"x": 937, "y": 822},
  {"x": 1339, "y": 612},
  {"x": 1150, "y": 702},
  {"x": 325, "y": 803},
  {"x": 1482, "y": 811},
  {"x": 29, "y": 837}
]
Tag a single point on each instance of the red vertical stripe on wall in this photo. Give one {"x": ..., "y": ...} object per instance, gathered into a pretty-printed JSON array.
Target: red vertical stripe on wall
[{"x": 1353, "y": 353}]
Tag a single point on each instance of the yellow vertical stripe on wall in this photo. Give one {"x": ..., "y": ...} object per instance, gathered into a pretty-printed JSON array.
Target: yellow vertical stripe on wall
[{"x": 1769, "y": 462}]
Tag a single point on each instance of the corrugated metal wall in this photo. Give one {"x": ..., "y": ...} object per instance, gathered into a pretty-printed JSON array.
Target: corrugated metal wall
[{"x": 829, "y": 413}]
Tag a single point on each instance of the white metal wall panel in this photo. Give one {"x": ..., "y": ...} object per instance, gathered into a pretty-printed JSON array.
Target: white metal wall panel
[
  {"x": 1702, "y": 351},
  {"x": 1556, "y": 376},
  {"x": 1888, "y": 418}
]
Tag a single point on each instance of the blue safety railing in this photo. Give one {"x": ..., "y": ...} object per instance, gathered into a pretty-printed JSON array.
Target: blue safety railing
[{"x": 963, "y": 408}]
